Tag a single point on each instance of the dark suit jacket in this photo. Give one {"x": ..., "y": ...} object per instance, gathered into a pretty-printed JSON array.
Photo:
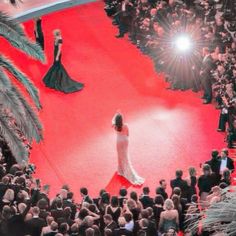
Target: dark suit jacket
[
  {"x": 162, "y": 192},
  {"x": 87, "y": 199},
  {"x": 122, "y": 231},
  {"x": 207, "y": 66},
  {"x": 34, "y": 226},
  {"x": 146, "y": 201},
  {"x": 182, "y": 184},
  {"x": 112, "y": 226},
  {"x": 67, "y": 203},
  {"x": 230, "y": 164}
]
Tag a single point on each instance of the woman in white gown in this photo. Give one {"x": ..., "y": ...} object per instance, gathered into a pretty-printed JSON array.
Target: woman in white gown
[{"x": 125, "y": 167}]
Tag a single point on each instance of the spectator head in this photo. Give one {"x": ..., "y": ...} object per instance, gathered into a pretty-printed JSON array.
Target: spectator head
[
  {"x": 89, "y": 232},
  {"x": 177, "y": 191},
  {"x": 168, "y": 204},
  {"x": 131, "y": 204},
  {"x": 123, "y": 192},
  {"x": 63, "y": 193},
  {"x": 159, "y": 200},
  {"x": 108, "y": 232},
  {"x": 134, "y": 196},
  {"x": 144, "y": 214},
  {"x": 224, "y": 152},
  {"x": 8, "y": 196},
  {"x": 206, "y": 169},
  {"x": 92, "y": 208},
  {"x": 223, "y": 185},
  {"x": 63, "y": 228},
  {"x": 70, "y": 195},
  {"x": 114, "y": 201},
  {"x": 74, "y": 228},
  {"x": 194, "y": 198},
  {"x": 42, "y": 204},
  {"x": 66, "y": 187},
  {"x": 49, "y": 220},
  {"x": 6, "y": 212},
  {"x": 128, "y": 217},
  {"x": 59, "y": 203},
  {"x": 163, "y": 183},
  {"x": 35, "y": 211},
  {"x": 105, "y": 198},
  {"x": 192, "y": 171},
  {"x": 146, "y": 190},
  {"x": 171, "y": 232},
  {"x": 83, "y": 213},
  {"x": 67, "y": 212},
  {"x": 214, "y": 154},
  {"x": 150, "y": 212},
  {"x": 101, "y": 192},
  {"x": 121, "y": 221},
  {"x": 6, "y": 180},
  {"x": 84, "y": 192},
  {"x": 28, "y": 216},
  {"x": 143, "y": 223},
  {"x": 179, "y": 173},
  {"x": 88, "y": 220},
  {"x": 21, "y": 207},
  {"x": 107, "y": 219},
  {"x": 54, "y": 226}
]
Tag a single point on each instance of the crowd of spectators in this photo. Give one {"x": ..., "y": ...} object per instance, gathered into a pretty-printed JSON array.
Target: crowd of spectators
[
  {"x": 154, "y": 25},
  {"x": 27, "y": 209}
]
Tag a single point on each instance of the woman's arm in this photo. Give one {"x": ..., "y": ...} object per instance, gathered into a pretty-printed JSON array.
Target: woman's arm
[{"x": 59, "y": 51}]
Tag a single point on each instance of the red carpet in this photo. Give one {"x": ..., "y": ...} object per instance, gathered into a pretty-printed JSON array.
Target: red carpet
[{"x": 168, "y": 129}]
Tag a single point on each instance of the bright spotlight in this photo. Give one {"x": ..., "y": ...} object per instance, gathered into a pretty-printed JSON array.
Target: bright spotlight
[{"x": 183, "y": 43}]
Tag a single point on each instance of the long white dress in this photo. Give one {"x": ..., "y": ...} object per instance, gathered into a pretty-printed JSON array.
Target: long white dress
[{"x": 125, "y": 167}]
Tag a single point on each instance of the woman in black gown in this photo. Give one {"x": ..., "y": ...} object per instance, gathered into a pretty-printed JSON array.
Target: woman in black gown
[
  {"x": 38, "y": 32},
  {"x": 57, "y": 78}
]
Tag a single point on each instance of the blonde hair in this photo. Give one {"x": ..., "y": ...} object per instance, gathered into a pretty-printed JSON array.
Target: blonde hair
[
  {"x": 168, "y": 204},
  {"x": 8, "y": 196}
]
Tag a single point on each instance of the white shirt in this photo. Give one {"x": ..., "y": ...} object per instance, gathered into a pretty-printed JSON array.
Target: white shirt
[
  {"x": 123, "y": 7},
  {"x": 223, "y": 165},
  {"x": 130, "y": 226}
]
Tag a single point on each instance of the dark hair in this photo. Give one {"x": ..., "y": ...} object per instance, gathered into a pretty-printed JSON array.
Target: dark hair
[
  {"x": 83, "y": 213},
  {"x": 63, "y": 228},
  {"x": 114, "y": 201},
  {"x": 123, "y": 192},
  {"x": 128, "y": 217},
  {"x": 161, "y": 181},
  {"x": 145, "y": 214},
  {"x": 105, "y": 198},
  {"x": 84, "y": 191},
  {"x": 102, "y": 191},
  {"x": 134, "y": 196},
  {"x": 179, "y": 173},
  {"x": 159, "y": 199},
  {"x": 118, "y": 122},
  {"x": 146, "y": 190},
  {"x": 108, "y": 232},
  {"x": 214, "y": 153},
  {"x": 70, "y": 195},
  {"x": 107, "y": 217}
]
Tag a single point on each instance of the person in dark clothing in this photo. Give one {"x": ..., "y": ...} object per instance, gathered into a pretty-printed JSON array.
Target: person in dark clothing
[
  {"x": 145, "y": 199},
  {"x": 180, "y": 183},
  {"x": 162, "y": 189},
  {"x": 214, "y": 163}
]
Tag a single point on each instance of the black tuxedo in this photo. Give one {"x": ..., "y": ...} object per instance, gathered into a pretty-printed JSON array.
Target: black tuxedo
[
  {"x": 207, "y": 66},
  {"x": 230, "y": 164},
  {"x": 87, "y": 199},
  {"x": 34, "y": 226},
  {"x": 122, "y": 232},
  {"x": 53, "y": 233},
  {"x": 112, "y": 226},
  {"x": 182, "y": 184},
  {"x": 162, "y": 192},
  {"x": 68, "y": 203},
  {"x": 57, "y": 213},
  {"x": 121, "y": 200},
  {"x": 146, "y": 201}
]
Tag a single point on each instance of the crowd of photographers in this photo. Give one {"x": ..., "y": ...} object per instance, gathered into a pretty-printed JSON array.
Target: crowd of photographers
[{"x": 153, "y": 25}]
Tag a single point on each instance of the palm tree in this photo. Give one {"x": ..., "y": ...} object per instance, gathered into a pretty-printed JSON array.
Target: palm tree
[
  {"x": 18, "y": 121},
  {"x": 219, "y": 217}
]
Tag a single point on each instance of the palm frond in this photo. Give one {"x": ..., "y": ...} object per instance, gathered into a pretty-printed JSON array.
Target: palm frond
[
  {"x": 16, "y": 146},
  {"x": 21, "y": 42},
  {"x": 10, "y": 101},
  {"x": 220, "y": 216},
  {"x": 33, "y": 122},
  {"x": 5, "y": 19},
  {"x": 33, "y": 92}
]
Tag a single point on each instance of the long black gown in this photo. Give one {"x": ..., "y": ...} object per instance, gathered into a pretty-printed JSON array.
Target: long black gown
[
  {"x": 57, "y": 78},
  {"x": 39, "y": 33}
]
